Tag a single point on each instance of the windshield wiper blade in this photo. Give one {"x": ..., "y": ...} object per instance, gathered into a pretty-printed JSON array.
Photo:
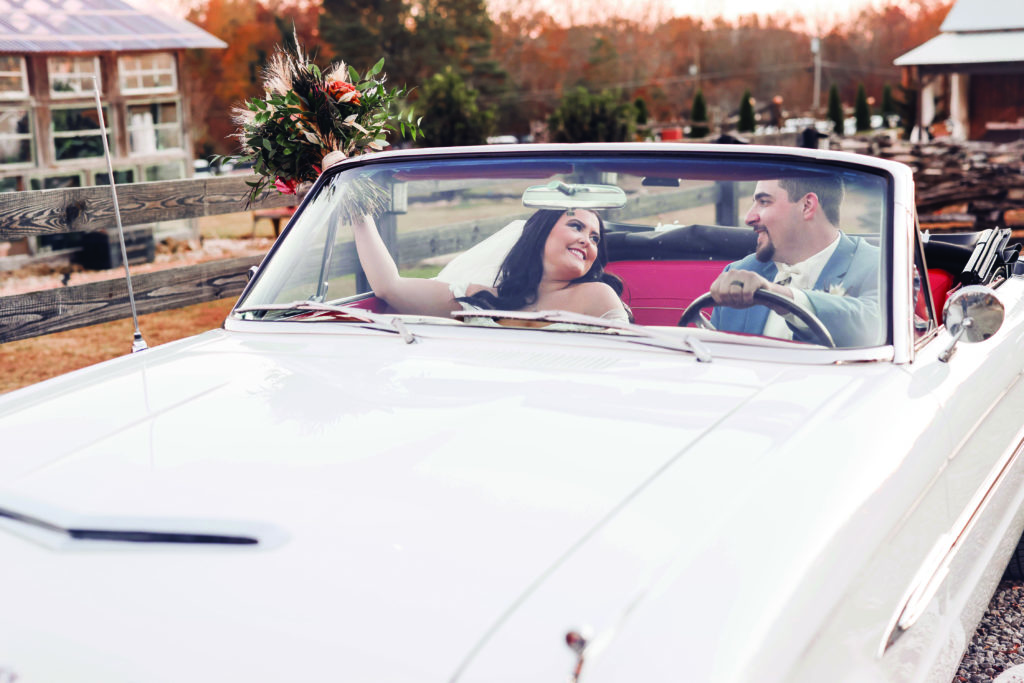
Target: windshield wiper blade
[
  {"x": 638, "y": 334},
  {"x": 356, "y": 314},
  {"x": 385, "y": 323},
  {"x": 129, "y": 535}
]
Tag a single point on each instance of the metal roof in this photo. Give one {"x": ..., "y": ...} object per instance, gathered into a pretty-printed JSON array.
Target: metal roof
[
  {"x": 974, "y": 32},
  {"x": 967, "y": 48},
  {"x": 59, "y": 26},
  {"x": 984, "y": 15}
]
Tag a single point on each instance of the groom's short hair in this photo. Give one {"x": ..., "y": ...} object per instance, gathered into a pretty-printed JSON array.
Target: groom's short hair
[{"x": 828, "y": 189}]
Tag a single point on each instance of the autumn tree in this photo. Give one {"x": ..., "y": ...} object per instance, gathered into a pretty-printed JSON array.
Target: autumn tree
[
  {"x": 640, "y": 105},
  {"x": 216, "y": 81},
  {"x": 835, "y": 110},
  {"x": 360, "y": 32},
  {"x": 521, "y": 61},
  {"x": 747, "y": 122},
  {"x": 907, "y": 106},
  {"x": 585, "y": 117},
  {"x": 861, "y": 110},
  {"x": 888, "y": 103},
  {"x": 455, "y": 34},
  {"x": 699, "y": 116},
  {"x": 451, "y": 115}
]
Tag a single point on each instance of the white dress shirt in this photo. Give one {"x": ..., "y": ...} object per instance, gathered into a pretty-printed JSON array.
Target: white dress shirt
[{"x": 801, "y": 276}]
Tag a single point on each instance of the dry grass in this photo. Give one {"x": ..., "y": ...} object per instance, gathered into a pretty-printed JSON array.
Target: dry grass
[
  {"x": 32, "y": 360},
  {"x": 29, "y": 361}
]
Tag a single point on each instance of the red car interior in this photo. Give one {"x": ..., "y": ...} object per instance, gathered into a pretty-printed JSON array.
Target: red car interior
[{"x": 663, "y": 272}]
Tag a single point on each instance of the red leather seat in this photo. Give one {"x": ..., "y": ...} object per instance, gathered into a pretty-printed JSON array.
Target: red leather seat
[{"x": 659, "y": 291}]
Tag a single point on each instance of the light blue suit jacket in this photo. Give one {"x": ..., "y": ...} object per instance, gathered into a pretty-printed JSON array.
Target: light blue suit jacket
[{"x": 853, "y": 319}]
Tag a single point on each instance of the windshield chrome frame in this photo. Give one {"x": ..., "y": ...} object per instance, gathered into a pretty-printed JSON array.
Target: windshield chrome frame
[{"x": 898, "y": 247}]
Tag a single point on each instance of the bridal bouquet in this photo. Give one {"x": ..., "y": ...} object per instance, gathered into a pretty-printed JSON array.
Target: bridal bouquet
[{"x": 307, "y": 114}]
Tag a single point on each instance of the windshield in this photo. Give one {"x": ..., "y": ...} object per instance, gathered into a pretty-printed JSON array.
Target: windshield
[{"x": 563, "y": 231}]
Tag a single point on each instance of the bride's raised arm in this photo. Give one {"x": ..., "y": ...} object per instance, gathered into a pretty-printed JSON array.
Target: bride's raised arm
[{"x": 405, "y": 295}]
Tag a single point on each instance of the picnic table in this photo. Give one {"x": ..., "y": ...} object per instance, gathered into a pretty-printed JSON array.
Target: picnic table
[{"x": 274, "y": 215}]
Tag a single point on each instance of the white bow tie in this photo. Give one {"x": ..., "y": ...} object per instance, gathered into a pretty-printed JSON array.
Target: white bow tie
[{"x": 786, "y": 273}]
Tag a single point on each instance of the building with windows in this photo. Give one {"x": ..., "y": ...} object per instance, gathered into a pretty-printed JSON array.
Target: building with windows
[
  {"x": 971, "y": 76},
  {"x": 54, "y": 54}
]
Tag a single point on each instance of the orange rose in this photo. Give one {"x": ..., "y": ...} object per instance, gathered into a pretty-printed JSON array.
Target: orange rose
[{"x": 339, "y": 89}]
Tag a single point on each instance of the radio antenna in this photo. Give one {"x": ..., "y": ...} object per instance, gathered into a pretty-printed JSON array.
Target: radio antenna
[{"x": 138, "y": 343}]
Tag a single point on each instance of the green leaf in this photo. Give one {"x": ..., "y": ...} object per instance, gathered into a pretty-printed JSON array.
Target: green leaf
[
  {"x": 315, "y": 70},
  {"x": 376, "y": 68},
  {"x": 353, "y": 75}
]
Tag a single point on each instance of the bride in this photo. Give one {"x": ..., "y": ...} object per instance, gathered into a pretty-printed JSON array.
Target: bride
[{"x": 557, "y": 263}]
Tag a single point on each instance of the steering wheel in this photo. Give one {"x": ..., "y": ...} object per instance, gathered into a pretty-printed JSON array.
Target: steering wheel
[{"x": 763, "y": 297}]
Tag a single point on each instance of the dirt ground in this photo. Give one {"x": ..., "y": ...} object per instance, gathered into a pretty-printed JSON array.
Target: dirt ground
[
  {"x": 29, "y": 361},
  {"x": 33, "y": 360}
]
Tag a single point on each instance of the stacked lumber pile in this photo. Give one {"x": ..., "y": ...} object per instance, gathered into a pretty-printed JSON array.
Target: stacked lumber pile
[{"x": 964, "y": 185}]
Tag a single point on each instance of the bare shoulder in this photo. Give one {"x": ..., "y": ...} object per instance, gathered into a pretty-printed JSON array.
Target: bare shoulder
[{"x": 595, "y": 298}]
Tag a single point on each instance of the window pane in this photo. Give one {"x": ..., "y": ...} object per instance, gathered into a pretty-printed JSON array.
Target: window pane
[
  {"x": 71, "y": 133},
  {"x": 72, "y": 74},
  {"x": 55, "y": 182},
  {"x": 120, "y": 177},
  {"x": 168, "y": 138},
  {"x": 168, "y": 112},
  {"x": 78, "y": 147},
  {"x": 15, "y": 151},
  {"x": 12, "y": 77},
  {"x": 8, "y": 184},
  {"x": 11, "y": 84},
  {"x": 164, "y": 172},
  {"x": 15, "y": 137},
  {"x": 154, "y": 127},
  {"x": 71, "y": 120},
  {"x": 13, "y": 122},
  {"x": 147, "y": 72}
]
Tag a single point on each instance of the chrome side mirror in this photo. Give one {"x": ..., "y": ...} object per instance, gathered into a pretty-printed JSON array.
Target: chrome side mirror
[{"x": 971, "y": 314}]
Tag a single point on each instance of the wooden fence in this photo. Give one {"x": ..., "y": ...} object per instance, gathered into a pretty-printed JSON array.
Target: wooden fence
[{"x": 47, "y": 212}]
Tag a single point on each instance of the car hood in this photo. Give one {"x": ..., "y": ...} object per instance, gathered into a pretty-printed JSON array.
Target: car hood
[{"x": 413, "y": 501}]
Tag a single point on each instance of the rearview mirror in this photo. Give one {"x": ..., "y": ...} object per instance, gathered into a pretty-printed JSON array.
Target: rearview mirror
[{"x": 559, "y": 195}]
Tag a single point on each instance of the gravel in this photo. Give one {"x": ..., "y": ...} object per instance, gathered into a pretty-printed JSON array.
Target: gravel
[{"x": 997, "y": 644}]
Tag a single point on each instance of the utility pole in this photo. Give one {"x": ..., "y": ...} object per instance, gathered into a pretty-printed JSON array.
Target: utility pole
[
  {"x": 695, "y": 67},
  {"x": 816, "y": 50}
]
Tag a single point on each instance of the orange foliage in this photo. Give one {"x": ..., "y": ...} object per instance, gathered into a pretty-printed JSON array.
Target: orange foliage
[
  {"x": 218, "y": 80},
  {"x": 660, "y": 58},
  {"x": 665, "y": 59}
]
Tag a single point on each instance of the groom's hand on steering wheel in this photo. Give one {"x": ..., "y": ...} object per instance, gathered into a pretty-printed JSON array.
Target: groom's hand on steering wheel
[{"x": 735, "y": 288}]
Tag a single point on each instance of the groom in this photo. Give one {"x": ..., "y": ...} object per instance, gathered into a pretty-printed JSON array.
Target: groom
[{"x": 801, "y": 254}]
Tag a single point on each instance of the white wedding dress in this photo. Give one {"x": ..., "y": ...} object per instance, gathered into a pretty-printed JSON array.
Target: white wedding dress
[{"x": 480, "y": 265}]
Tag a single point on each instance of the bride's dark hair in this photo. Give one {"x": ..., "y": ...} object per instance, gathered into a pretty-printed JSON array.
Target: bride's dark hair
[{"x": 522, "y": 269}]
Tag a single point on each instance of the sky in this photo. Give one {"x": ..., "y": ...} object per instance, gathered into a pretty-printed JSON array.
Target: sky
[
  {"x": 730, "y": 9},
  {"x": 825, "y": 10},
  {"x": 821, "y": 13}
]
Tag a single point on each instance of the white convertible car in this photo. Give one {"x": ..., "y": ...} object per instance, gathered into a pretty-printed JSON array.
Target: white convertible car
[{"x": 826, "y": 488}]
